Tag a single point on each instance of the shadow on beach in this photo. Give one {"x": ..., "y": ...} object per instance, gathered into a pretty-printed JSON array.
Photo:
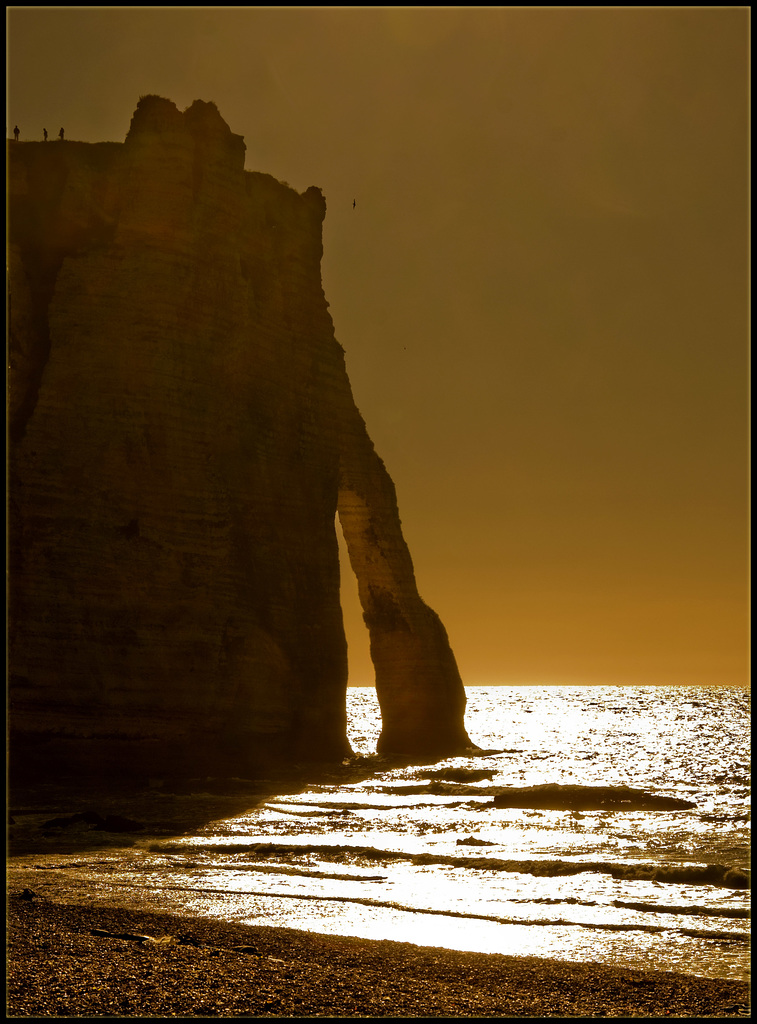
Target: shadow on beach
[{"x": 74, "y": 814}]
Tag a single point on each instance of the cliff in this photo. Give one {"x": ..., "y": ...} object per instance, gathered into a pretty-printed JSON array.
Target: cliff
[{"x": 182, "y": 435}]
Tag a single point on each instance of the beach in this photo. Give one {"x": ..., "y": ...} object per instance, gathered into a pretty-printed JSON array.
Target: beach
[{"x": 69, "y": 960}]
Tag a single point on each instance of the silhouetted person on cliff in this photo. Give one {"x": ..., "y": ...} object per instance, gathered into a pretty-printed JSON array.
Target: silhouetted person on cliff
[
  {"x": 60, "y": 135},
  {"x": 44, "y": 134},
  {"x": 16, "y": 133}
]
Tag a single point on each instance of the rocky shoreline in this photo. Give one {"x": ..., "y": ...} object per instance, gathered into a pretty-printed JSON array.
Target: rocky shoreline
[{"x": 84, "y": 961}]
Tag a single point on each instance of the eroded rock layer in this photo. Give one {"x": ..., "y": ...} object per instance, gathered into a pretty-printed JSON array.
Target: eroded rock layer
[{"x": 182, "y": 435}]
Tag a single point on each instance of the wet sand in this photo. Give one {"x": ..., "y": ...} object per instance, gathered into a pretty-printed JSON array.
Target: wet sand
[{"x": 156, "y": 965}]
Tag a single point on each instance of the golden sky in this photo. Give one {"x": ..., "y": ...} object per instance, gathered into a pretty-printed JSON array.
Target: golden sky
[{"x": 542, "y": 292}]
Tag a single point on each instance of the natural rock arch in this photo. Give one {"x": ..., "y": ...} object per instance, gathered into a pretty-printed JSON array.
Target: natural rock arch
[{"x": 183, "y": 433}]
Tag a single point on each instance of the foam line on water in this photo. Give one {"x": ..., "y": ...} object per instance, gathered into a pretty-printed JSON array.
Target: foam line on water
[{"x": 687, "y": 874}]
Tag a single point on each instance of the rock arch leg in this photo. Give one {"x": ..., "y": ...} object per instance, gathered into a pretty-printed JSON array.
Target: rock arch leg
[{"x": 418, "y": 684}]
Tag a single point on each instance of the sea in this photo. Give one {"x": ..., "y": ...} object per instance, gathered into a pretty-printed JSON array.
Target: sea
[{"x": 424, "y": 853}]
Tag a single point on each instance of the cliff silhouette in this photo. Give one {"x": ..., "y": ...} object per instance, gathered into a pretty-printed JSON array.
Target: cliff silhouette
[{"x": 182, "y": 435}]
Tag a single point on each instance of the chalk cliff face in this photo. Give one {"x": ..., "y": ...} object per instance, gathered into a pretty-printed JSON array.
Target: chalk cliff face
[{"x": 182, "y": 435}]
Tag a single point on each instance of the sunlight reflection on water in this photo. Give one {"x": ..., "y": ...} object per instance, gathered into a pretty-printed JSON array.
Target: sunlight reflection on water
[{"x": 436, "y": 868}]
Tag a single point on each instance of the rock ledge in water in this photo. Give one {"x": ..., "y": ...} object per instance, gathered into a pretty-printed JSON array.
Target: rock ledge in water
[{"x": 555, "y": 797}]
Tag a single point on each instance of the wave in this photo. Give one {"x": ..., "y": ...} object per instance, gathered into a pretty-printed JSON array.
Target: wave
[
  {"x": 345, "y": 806},
  {"x": 282, "y": 869},
  {"x": 737, "y": 913},
  {"x": 682, "y": 874},
  {"x": 730, "y": 818},
  {"x": 458, "y": 774},
  {"x": 322, "y": 810}
]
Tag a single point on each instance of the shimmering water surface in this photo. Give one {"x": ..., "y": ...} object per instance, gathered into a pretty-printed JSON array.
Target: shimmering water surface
[{"x": 419, "y": 854}]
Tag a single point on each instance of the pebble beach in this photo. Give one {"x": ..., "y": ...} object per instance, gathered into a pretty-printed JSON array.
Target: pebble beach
[{"x": 77, "y": 961}]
